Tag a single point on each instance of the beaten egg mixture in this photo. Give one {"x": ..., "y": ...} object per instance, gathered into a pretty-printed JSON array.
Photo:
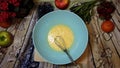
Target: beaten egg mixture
[{"x": 63, "y": 31}]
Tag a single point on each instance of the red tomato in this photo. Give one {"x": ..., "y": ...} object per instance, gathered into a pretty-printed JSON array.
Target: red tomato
[{"x": 107, "y": 26}]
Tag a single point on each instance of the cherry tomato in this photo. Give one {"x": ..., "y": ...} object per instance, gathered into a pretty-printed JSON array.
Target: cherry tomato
[{"x": 107, "y": 26}]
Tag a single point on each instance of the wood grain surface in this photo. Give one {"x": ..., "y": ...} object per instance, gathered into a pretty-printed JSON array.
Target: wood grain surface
[{"x": 103, "y": 49}]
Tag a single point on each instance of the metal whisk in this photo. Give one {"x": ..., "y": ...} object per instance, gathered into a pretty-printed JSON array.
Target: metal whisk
[{"x": 59, "y": 41}]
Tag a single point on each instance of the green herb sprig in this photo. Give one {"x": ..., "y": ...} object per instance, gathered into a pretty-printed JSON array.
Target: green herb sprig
[{"x": 84, "y": 10}]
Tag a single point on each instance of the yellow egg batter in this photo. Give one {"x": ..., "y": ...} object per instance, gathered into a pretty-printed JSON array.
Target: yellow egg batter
[{"x": 63, "y": 31}]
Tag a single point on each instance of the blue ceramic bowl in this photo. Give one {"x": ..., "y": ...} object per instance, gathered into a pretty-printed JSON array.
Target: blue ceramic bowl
[{"x": 42, "y": 28}]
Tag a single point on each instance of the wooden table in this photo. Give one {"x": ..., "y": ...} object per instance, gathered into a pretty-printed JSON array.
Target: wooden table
[{"x": 101, "y": 52}]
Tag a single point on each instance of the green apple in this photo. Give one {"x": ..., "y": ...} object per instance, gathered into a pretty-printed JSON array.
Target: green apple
[{"x": 6, "y": 38}]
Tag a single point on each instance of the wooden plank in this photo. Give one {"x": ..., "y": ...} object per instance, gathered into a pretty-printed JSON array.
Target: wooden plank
[
  {"x": 85, "y": 59},
  {"x": 111, "y": 53},
  {"x": 11, "y": 54},
  {"x": 116, "y": 33},
  {"x": 117, "y": 5},
  {"x": 95, "y": 45},
  {"x": 116, "y": 20},
  {"x": 103, "y": 48},
  {"x": 12, "y": 30},
  {"x": 27, "y": 37}
]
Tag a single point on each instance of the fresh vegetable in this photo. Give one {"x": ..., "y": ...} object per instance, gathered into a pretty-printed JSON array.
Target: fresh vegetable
[
  {"x": 84, "y": 10},
  {"x": 107, "y": 26},
  {"x": 105, "y": 9},
  {"x": 6, "y": 38}
]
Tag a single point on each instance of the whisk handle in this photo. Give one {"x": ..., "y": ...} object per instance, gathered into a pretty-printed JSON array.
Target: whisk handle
[{"x": 70, "y": 57}]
